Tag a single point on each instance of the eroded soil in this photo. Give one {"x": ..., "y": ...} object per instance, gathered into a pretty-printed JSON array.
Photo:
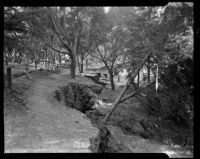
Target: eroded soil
[{"x": 43, "y": 124}]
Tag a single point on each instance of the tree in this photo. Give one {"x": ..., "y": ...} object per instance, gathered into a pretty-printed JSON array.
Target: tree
[
  {"x": 84, "y": 46},
  {"x": 149, "y": 35},
  {"x": 152, "y": 30},
  {"x": 136, "y": 44},
  {"x": 19, "y": 38},
  {"x": 38, "y": 40},
  {"x": 111, "y": 52},
  {"x": 108, "y": 43},
  {"x": 15, "y": 33},
  {"x": 120, "y": 98},
  {"x": 67, "y": 23}
]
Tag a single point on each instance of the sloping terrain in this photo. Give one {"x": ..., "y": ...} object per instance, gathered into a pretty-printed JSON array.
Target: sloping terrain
[
  {"x": 34, "y": 121},
  {"x": 43, "y": 124}
]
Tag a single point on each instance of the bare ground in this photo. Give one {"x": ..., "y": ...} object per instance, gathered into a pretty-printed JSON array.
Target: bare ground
[{"x": 43, "y": 124}]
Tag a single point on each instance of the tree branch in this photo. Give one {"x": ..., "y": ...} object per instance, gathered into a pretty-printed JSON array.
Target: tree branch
[
  {"x": 101, "y": 57},
  {"x": 97, "y": 57},
  {"x": 114, "y": 59},
  {"x": 121, "y": 68},
  {"x": 58, "y": 34},
  {"x": 56, "y": 49},
  {"x": 106, "y": 50},
  {"x": 99, "y": 52},
  {"x": 136, "y": 92}
]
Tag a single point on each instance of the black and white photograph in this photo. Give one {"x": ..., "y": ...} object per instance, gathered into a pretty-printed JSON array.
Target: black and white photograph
[{"x": 99, "y": 79}]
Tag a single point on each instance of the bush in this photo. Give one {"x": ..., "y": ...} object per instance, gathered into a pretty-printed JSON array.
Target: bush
[
  {"x": 175, "y": 100},
  {"x": 170, "y": 105}
]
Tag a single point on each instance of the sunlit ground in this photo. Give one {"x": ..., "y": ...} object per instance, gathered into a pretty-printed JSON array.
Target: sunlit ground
[
  {"x": 106, "y": 9},
  {"x": 176, "y": 153}
]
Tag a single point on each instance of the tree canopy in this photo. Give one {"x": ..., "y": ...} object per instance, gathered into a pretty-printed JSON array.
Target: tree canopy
[{"x": 123, "y": 35}]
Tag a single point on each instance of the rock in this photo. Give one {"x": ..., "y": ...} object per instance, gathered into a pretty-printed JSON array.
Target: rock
[
  {"x": 145, "y": 135},
  {"x": 68, "y": 94},
  {"x": 96, "y": 88},
  {"x": 19, "y": 74},
  {"x": 95, "y": 116},
  {"x": 57, "y": 95},
  {"x": 108, "y": 141},
  {"x": 79, "y": 96},
  {"x": 78, "y": 104}
]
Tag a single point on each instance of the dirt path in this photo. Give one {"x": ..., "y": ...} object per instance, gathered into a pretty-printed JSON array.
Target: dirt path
[{"x": 47, "y": 125}]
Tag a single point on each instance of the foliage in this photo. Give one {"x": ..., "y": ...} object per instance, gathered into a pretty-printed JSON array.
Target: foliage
[
  {"x": 108, "y": 43},
  {"x": 166, "y": 32},
  {"x": 120, "y": 39},
  {"x": 62, "y": 29},
  {"x": 18, "y": 36},
  {"x": 174, "y": 100}
]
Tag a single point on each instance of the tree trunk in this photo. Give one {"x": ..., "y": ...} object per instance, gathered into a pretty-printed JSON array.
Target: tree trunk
[
  {"x": 138, "y": 79},
  {"x": 54, "y": 58},
  {"x": 82, "y": 59},
  {"x": 74, "y": 55},
  {"x": 112, "y": 80},
  {"x": 59, "y": 58},
  {"x": 20, "y": 59},
  {"x": 46, "y": 59},
  {"x": 27, "y": 70},
  {"x": 148, "y": 69},
  {"x": 136, "y": 92},
  {"x": 86, "y": 63},
  {"x": 73, "y": 65},
  {"x": 119, "y": 98},
  {"x": 115, "y": 104},
  {"x": 35, "y": 65},
  {"x": 79, "y": 68},
  {"x": 82, "y": 67}
]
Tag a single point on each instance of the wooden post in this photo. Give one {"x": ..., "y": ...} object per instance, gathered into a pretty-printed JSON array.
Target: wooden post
[{"x": 9, "y": 77}]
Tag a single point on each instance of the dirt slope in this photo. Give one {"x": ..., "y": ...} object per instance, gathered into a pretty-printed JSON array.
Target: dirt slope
[{"x": 46, "y": 125}]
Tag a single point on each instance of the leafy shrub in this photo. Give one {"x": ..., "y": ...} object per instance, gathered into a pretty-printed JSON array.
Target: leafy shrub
[
  {"x": 174, "y": 100},
  {"x": 169, "y": 105}
]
